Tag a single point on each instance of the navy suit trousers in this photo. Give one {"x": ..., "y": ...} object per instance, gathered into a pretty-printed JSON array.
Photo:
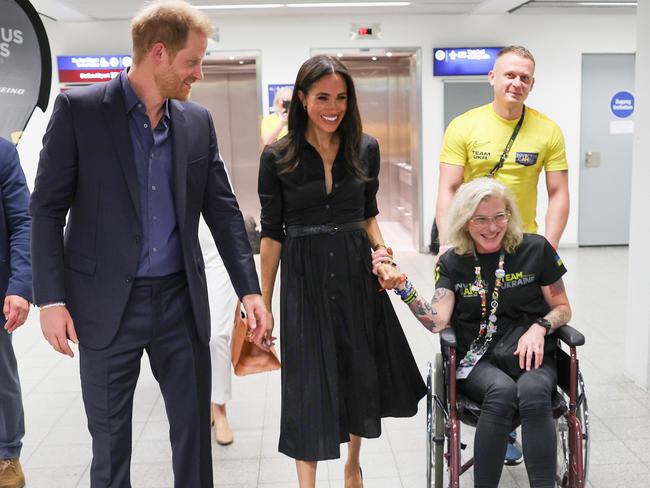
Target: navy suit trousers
[
  {"x": 158, "y": 319},
  {"x": 12, "y": 418}
]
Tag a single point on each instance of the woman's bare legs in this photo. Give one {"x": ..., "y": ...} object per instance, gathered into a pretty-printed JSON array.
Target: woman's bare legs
[
  {"x": 306, "y": 473},
  {"x": 352, "y": 471}
]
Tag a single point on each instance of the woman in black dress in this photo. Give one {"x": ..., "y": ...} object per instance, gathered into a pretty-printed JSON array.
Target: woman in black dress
[{"x": 345, "y": 360}]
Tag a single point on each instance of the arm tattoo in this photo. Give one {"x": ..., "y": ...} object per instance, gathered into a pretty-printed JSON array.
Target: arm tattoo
[
  {"x": 557, "y": 317},
  {"x": 438, "y": 295},
  {"x": 557, "y": 288},
  {"x": 426, "y": 314}
]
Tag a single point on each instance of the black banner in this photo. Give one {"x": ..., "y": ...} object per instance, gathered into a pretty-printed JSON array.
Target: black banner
[{"x": 25, "y": 66}]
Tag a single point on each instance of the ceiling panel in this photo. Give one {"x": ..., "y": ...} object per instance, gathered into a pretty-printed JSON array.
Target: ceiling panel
[{"x": 78, "y": 10}]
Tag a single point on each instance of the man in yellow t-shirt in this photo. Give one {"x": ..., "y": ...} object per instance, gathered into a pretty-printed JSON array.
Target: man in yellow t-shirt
[
  {"x": 475, "y": 141},
  {"x": 274, "y": 125}
]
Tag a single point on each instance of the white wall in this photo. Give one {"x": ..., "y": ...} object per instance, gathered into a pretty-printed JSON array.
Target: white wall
[
  {"x": 637, "y": 331},
  {"x": 285, "y": 42}
]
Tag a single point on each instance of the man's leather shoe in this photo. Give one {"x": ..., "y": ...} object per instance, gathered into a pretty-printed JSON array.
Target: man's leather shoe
[{"x": 11, "y": 474}]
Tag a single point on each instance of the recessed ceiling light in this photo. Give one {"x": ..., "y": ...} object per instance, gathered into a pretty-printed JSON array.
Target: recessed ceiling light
[
  {"x": 608, "y": 4},
  {"x": 389, "y": 54},
  {"x": 348, "y": 4},
  {"x": 238, "y": 6}
]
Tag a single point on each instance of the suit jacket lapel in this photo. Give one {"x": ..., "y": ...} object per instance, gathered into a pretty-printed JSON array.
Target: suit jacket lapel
[
  {"x": 179, "y": 138},
  {"x": 118, "y": 128}
]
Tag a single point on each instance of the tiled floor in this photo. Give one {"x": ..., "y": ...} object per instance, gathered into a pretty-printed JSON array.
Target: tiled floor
[{"x": 57, "y": 452}]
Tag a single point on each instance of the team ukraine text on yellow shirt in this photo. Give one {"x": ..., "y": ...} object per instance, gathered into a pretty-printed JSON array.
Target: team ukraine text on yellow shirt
[{"x": 477, "y": 138}]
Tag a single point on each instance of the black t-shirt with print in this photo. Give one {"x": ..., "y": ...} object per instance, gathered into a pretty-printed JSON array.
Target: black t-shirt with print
[{"x": 533, "y": 264}]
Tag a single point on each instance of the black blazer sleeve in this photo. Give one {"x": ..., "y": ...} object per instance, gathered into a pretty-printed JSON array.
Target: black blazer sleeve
[{"x": 53, "y": 193}]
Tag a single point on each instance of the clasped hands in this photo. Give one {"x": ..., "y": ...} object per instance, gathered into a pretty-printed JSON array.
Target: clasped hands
[
  {"x": 383, "y": 266},
  {"x": 260, "y": 322}
]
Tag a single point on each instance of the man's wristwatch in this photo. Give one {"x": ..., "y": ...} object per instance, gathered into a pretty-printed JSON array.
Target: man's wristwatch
[{"x": 544, "y": 323}]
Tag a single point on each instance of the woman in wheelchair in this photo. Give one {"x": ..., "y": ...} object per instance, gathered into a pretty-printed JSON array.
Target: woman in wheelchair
[{"x": 502, "y": 292}]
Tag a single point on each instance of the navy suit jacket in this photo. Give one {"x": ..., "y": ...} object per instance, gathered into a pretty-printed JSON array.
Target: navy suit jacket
[
  {"x": 87, "y": 167},
  {"x": 15, "y": 229}
]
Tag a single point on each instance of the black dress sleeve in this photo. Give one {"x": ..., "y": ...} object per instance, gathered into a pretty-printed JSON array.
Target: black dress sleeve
[
  {"x": 269, "y": 189},
  {"x": 372, "y": 156},
  {"x": 552, "y": 266}
]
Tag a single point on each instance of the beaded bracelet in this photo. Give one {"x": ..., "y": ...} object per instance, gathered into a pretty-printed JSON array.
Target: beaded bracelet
[
  {"x": 404, "y": 292},
  {"x": 411, "y": 297}
]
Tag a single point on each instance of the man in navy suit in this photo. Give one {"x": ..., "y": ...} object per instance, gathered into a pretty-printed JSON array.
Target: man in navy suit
[
  {"x": 16, "y": 287},
  {"x": 135, "y": 165}
]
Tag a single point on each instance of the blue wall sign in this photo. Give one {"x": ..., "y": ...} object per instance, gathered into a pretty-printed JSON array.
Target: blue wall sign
[
  {"x": 463, "y": 61},
  {"x": 118, "y": 61},
  {"x": 622, "y": 104},
  {"x": 273, "y": 89}
]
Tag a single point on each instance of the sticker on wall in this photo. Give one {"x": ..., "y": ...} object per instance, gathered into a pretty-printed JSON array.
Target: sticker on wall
[
  {"x": 617, "y": 127},
  {"x": 622, "y": 104}
]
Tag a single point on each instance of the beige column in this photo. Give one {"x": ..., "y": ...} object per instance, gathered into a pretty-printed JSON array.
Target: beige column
[{"x": 637, "y": 330}]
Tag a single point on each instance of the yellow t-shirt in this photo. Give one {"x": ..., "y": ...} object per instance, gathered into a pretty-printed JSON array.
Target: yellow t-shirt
[
  {"x": 477, "y": 138},
  {"x": 270, "y": 123}
]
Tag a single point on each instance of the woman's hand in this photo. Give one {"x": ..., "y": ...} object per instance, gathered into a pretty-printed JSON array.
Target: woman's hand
[
  {"x": 389, "y": 276},
  {"x": 383, "y": 255},
  {"x": 268, "y": 341},
  {"x": 531, "y": 344}
]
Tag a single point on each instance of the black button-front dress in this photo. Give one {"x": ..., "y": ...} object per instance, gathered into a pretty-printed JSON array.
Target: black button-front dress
[{"x": 345, "y": 360}]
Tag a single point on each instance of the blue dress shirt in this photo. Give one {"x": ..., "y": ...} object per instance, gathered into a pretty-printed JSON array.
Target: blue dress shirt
[{"x": 161, "y": 252}]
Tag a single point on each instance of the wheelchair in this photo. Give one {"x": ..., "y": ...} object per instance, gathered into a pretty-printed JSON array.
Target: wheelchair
[{"x": 447, "y": 409}]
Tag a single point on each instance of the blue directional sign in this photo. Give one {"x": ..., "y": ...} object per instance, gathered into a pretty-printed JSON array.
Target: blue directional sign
[
  {"x": 463, "y": 61},
  {"x": 113, "y": 61},
  {"x": 622, "y": 104}
]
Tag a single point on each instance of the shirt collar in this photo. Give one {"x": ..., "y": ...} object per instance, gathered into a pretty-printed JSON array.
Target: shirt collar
[{"x": 131, "y": 100}]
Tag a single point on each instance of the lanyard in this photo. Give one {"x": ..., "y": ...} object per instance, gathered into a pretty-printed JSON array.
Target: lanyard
[
  {"x": 503, "y": 157},
  {"x": 488, "y": 325}
]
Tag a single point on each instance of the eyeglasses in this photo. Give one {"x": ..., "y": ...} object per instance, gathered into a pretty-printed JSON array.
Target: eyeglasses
[{"x": 484, "y": 220}]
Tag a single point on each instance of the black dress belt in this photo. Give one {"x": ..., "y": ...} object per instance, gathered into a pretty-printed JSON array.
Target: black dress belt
[{"x": 313, "y": 230}]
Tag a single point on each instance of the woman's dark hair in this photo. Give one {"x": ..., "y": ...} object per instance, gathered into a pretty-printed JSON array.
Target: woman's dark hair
[{"x": 291, "y": 146}]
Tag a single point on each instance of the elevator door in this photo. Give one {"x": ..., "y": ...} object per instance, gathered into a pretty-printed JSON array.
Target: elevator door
[
  {"x": 230, "y": 94},
  {"x": 386, "y": 93}
]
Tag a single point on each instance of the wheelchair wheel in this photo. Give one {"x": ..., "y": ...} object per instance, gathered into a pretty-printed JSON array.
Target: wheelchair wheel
[
  {"x": 563, "y": 454},
  {"x": 435, "y": 423}
]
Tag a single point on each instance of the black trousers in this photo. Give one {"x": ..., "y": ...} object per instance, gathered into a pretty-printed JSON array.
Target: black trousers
[
  {"x": 500, "y": 397},
  {"x": 158, "y": 319}
]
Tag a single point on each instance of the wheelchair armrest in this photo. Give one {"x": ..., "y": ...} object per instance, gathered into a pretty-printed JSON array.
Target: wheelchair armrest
[
  {"x": 448, "y": 337},
  {"x": 570, "y": 336}
]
